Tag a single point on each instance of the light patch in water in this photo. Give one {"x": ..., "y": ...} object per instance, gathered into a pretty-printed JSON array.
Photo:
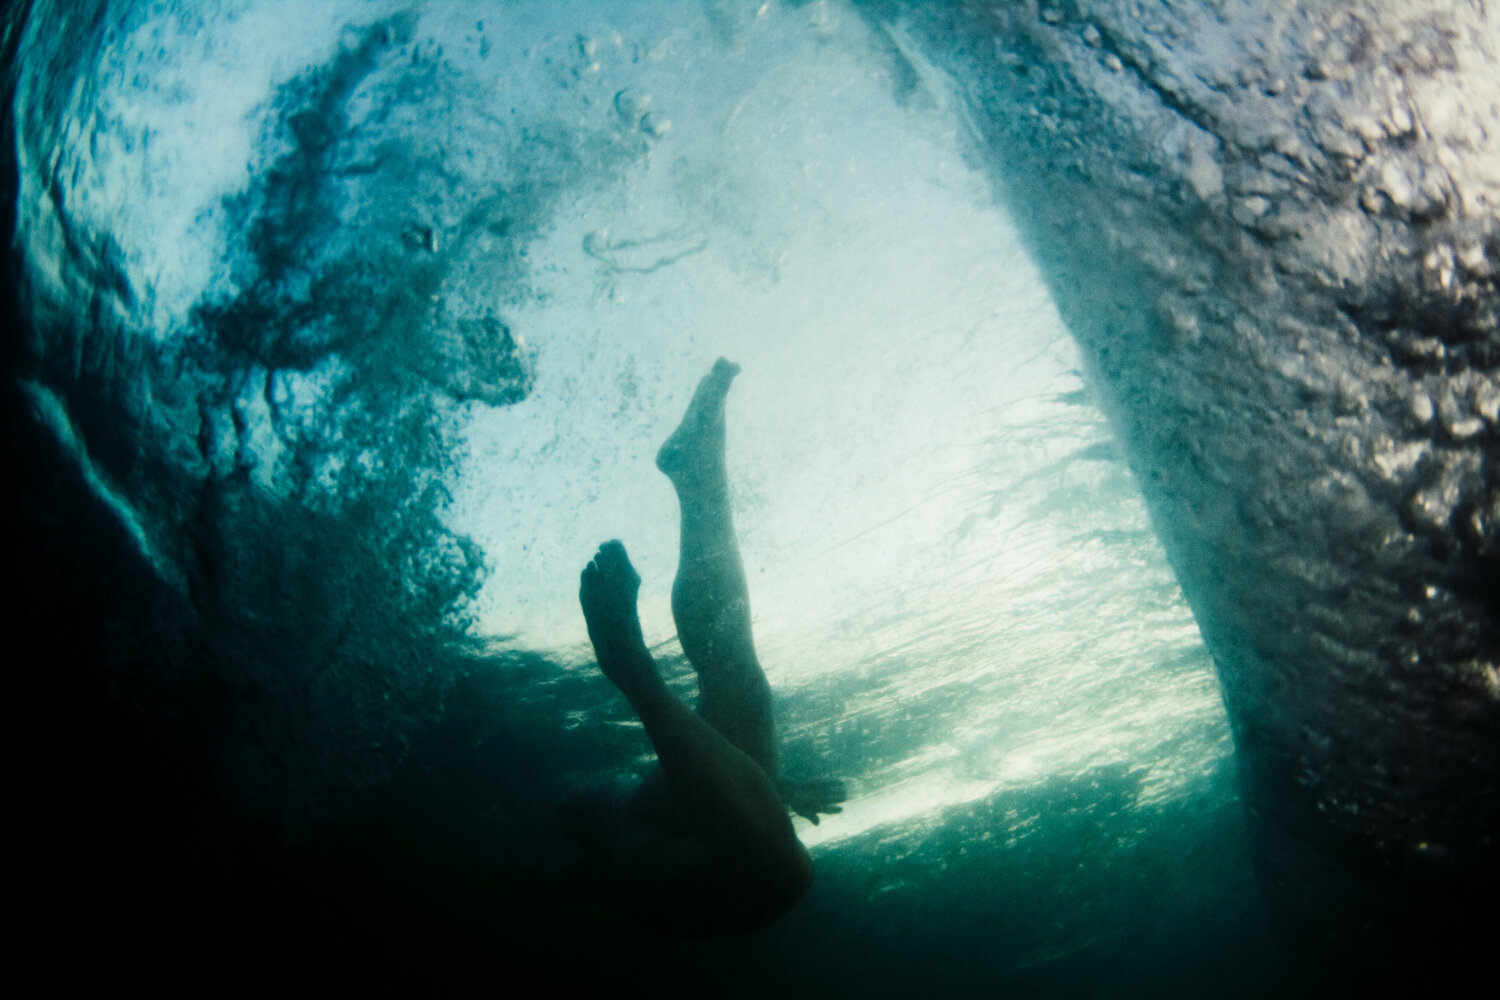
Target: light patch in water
[
  {"x": 881, "y": 306},
  {"x": 935, "y": 531},
  {"x": 892, "y": 806},
  {"x": 937, "y": 534}
]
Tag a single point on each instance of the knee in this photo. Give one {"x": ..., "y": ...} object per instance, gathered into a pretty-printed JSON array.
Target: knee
[
  {"x": 789, "y": 883},
  {"x": 766, "y": 893},
  {"x": 801, "y": 875}
]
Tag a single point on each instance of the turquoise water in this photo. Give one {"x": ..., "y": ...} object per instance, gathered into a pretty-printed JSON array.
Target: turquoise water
[{"x": 400, "y": 304}]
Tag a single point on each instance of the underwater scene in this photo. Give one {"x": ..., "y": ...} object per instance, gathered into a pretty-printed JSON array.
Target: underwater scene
[{"x": 1089, "y": 408}]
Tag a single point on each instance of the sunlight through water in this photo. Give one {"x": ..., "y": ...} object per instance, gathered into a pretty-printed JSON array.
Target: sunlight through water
[{"x": 934, "y": 521}]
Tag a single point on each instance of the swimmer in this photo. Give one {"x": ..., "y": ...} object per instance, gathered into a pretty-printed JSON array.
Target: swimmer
[{"x": 708, "y": 847}]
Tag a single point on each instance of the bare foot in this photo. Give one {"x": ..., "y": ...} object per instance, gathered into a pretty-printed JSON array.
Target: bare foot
[
  {"x": 694, "y": 454},
  {"x": 607, "y": 590}
]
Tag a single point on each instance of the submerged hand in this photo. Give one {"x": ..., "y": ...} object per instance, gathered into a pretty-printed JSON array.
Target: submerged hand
[{"x": 808, "y": 798}]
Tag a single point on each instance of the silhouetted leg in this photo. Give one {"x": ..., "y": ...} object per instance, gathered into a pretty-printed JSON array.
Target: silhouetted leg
[
  {"x": 710, "y": 599},
  {"x": 758, "y": 868}
]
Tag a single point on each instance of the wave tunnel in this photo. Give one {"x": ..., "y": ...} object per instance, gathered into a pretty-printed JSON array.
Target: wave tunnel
[{"x": 1113, "y": 462}]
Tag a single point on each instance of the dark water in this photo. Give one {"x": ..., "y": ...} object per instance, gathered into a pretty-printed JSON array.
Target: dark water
[{"x": 343, "y": 333}]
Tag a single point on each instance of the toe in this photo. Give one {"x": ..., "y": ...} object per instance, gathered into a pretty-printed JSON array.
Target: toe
[{"x": 613, "y": 560}]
